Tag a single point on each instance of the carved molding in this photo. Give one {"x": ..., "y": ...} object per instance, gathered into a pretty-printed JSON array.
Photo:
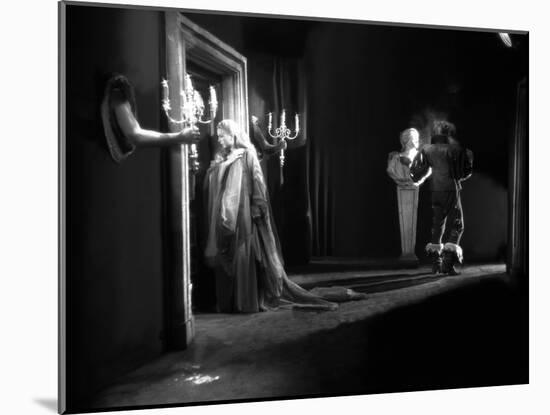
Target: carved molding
[
  {"x": 181, "y": 324},
  {"x": 204, "y": 49},
  {"x": 186, "y": 41}
]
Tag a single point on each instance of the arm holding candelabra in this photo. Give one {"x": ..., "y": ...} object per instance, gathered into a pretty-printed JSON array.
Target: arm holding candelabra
[
  {"x": 260, "y": 140},
  {"x": 121, "y": 127},
  {"x": 191, "y": 111},
  {"x": 283, "y": 133},
  {"x": 141, "y": 137}
]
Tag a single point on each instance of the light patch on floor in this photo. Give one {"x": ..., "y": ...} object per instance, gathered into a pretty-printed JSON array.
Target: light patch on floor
[{"x": 201, "y": 379}]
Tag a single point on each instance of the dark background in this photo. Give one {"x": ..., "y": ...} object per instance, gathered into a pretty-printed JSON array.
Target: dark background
[{"x": 365, "y": 84}]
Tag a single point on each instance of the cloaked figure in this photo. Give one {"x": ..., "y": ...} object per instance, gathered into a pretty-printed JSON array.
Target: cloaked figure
[
  {"x": 242, "y": 244},
  {"x": 450, "y": 164}
]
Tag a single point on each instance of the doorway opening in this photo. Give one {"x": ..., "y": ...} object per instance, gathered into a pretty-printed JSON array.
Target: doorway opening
[{"x": 192, "y": 50}]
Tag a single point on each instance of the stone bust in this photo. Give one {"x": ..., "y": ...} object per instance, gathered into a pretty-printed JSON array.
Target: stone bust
[{"x": 399, "y": 162}]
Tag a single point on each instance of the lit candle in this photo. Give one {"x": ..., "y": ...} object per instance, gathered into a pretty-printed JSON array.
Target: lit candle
[
  {"x": 165, "y": 90},
  {"x": 270, "y": 120},
  {"x": 188, "y": 85},
  {"x": 198, "y": 99},
  {"x": 213, "y": 101},
  {"x": 183, "y": 99},
  {"x": 283, "y": 118},
  {"x": 297, "y": 120},
  {"x": 185, "y": 105}
]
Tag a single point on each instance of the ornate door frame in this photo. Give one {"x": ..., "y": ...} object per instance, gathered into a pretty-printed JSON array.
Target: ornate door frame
[{"x": 187, "y": 41}]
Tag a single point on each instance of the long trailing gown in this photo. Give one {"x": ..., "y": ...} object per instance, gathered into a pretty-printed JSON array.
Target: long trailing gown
[{"x": 245, "y": 251}]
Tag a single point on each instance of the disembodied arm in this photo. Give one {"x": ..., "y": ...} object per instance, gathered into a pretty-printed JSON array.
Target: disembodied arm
[
  {"x": 260, "y": 139},
  {"x": 141, "y": 137}
]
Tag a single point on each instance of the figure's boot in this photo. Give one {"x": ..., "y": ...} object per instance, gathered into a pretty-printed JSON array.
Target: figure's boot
[
  {"x": 452, "y": 255},
  {"x": 434, "y": 252}
]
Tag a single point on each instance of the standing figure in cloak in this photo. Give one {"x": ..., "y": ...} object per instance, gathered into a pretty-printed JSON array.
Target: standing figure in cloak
[
  {"x": 242, "y": 244},
  {"x": 450, "y": 165}
]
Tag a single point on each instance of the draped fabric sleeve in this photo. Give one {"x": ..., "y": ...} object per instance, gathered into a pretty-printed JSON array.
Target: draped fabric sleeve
[
  {"x": 229, "y": 205},
  {"x": 258, "y": 202},
  {"x": 391, "y": 169},
  {"x": 211, "y": 195},
  {"x": 227, "y": 225},
  {"x": 398, "y": 169}
]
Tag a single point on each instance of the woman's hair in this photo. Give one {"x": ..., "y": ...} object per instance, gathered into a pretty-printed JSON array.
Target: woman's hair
[
  {"x": 407, "y": 135},
  {"x": 240, "y": 138}
]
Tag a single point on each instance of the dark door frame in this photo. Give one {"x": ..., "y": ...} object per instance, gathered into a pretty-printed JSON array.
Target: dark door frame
[{"x": 185, "y": 41}]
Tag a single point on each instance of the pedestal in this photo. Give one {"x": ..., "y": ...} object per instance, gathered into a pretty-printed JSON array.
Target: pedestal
[{"x": 407, "y": 201}]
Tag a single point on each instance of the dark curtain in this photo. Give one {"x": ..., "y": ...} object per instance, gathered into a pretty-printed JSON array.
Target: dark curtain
[
  {"x": 301, "y": 191},
  {"x": 320, "y": 183},
  {"x": 321, "y": 200},
  {"x": 288, "y": 185},
  {"x": 518, "y": 196}
]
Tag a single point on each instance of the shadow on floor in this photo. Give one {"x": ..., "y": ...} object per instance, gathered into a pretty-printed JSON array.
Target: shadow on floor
[
  {"x": 471, "y": 336},
  {"x": 374, "y": 284}
]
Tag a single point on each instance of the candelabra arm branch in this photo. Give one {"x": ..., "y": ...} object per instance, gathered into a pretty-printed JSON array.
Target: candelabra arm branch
[
  {"x": 275, "y": 136},
  {"x": 294, "y": 137},
  {"x": 283, "y": 134}
]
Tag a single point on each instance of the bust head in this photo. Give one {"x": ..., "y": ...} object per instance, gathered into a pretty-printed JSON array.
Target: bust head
[{"x": 409, "y": 139}]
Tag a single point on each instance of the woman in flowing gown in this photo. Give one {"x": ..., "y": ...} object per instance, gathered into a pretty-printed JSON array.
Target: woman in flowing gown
[{"x": 242, "y": 244}]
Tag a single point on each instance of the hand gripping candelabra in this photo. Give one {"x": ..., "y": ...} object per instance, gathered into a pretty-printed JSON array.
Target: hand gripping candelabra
[
  {"x": 191, "y": 111},
  {"x": 283, "y": 133}
]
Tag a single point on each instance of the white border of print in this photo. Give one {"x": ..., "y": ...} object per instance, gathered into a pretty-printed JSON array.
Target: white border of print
[{"x": 28, "y": 215}]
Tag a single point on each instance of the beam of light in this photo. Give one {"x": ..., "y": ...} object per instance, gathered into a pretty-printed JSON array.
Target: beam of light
[{"x": 505, "y": 37}]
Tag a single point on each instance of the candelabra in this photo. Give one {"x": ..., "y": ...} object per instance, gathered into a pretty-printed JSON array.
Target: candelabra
[
  {"x": 283, "y": 133},
  {"x": 191, "y": 111}
]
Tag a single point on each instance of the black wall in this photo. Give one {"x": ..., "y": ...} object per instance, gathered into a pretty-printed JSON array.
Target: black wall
[{"x": 114, "y": 245}]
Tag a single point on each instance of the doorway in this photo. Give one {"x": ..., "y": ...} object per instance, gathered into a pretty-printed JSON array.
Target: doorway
[{"x": 192, "y": 50}]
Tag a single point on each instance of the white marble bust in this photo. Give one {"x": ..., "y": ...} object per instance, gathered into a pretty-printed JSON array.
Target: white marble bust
[{"x": 399, "y": 162}]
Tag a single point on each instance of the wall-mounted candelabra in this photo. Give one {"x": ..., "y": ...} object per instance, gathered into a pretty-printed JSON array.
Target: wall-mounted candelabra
[
  {"x": 283, "y": 133},
  {"x": 191, "y": 111}
]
